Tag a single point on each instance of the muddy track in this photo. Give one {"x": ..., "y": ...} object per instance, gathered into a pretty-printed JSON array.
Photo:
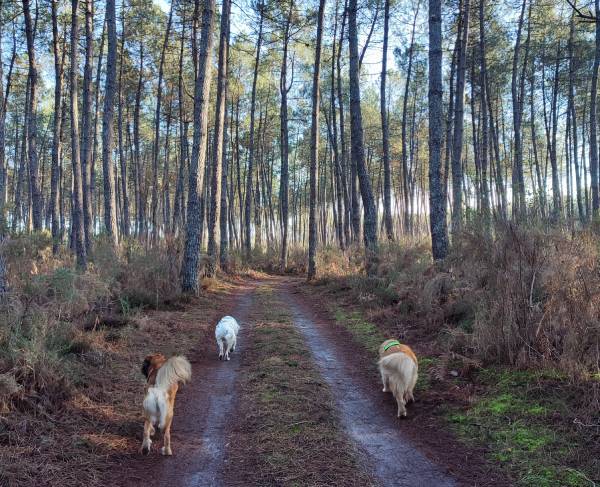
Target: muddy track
[
  {"x": 373, "y": 429},
  {"x": 202, "y": 412}
]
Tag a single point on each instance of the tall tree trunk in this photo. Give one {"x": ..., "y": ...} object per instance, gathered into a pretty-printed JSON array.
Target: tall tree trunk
[
  {"x": 57, "y": 131},
  {"x": 573, "y": 114},
  {"x": 125, "y": 216},
  {"x": 284, "y": 141},
  {"x": 77, "y": 197},
  {"x": 457, "y": 140},
  {"x": 517, "y": 176},
  {"x": 314, "y": 148},
  {"x": 485, "y": 197},
  {"x": 387, "y": 178},
  {"x": 3, "y": 168},
  {"x": 340, "y": 177},
  {"x": 556, "y": 196},
  {"x": 86, "y": 125},
  {"x": 357, "y": 149},
  {"x": 110, "y": 207},
  {"x": 348, "y": 201},
  {"x": 155, "y": 147},
  {"x": 593, "y": 118},
  {"x": 437, "y": 208},
  {"x": 224, "y": 207},
  {"x": 31, "y": 111},
  {"x": 249, "y": 172},
  {"x": 93, "y": 196},
  {"x": 178, "y": 205},
  {"x": 218, "y": 137},
  {"x": 189, "y": 269},
  {"x": 137, "y": 163},
  {"x": 405, "y": 170}
]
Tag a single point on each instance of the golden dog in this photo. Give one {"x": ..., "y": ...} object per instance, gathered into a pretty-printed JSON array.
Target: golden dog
[
  {"x": 399, "y": 371},
  {"x": 162, "y": 382}
]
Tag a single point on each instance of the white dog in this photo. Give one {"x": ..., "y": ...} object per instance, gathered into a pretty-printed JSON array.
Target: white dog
[{"x": 226, "y": 334}]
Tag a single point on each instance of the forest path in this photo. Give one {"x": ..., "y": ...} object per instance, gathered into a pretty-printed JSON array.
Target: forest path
[
  {"x": 207, "y": 407},
  {"x": 202, "y": 414},
  {"x": 364, "y": 410}
]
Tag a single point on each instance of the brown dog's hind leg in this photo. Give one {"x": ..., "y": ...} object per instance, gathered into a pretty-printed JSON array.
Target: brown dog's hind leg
[
  {"x": 166, "y": 449},
  {"x": 147, "y": 442}
]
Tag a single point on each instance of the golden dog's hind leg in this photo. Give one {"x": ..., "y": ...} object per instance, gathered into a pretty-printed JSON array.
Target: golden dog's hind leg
[
  {"x": 384, "y": 380},
  {"x": 148, "y": 432}
]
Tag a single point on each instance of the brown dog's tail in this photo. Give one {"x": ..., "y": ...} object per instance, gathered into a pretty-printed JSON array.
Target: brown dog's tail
[{"x": 176, "y": 369}]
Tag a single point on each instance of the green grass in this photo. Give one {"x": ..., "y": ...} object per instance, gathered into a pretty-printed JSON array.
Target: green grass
[
  {"x": 363, "y": 332},
  {"x": 514, "y": 420}
]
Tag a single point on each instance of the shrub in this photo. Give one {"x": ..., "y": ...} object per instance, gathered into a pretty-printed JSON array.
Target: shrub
[
  {"x": 537, "y": 295},
  {"x": 150, "y": 277}
]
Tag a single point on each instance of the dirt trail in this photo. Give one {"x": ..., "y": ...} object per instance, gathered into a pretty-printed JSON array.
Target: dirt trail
[
  {"x": 205, "y": 407},
  {"x": 202, "y": 411},
  {"x": 374, "y": 430}
]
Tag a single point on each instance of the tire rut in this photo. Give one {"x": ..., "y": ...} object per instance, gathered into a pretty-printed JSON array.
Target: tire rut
[
  {"x": 375, "y": 432},
  {"x": 202, "y": 415}
]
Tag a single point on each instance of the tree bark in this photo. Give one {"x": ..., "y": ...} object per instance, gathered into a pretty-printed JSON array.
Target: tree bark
[
  {"x": 86, "y": 125},
  {"x": 357, "y": 148},
  {"x": 593, "y": 118},
  {"x": 218, "y": 138},
  {"x": 31, "y": 111},
  {"x": 517, "y": 177},
  {"x": 156, "y": 144},
  {"x": 314, "y": 148},
  {"x": 457, "y": 140},
  {"x": 437, "y": 208},
  {"x": 57, "y": 130},
  {"x": 125, "y": 216},
  {"x": 387, "y": 178},
  {"x": 110, "y": 207},
  {"x": 249, "y": 171},
  {"x": 284, "y": 141},
  {"x": 485, "y": 197},
  {"x": 189, "y": 269},
  {"x": 77, "y": 197}
]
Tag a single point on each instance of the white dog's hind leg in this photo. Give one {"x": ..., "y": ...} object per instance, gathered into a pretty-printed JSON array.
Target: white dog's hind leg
[
  {"x": 229, "y": 343},
  {"x": 220, "y": 345},
  {"x": 234, "y": 343}
]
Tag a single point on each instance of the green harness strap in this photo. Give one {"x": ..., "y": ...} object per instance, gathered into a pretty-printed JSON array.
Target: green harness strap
[{"x": 393, "y": 343}]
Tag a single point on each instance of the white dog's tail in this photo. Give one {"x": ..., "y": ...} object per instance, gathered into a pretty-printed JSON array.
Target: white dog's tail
[{"x": 176, "y": 369}]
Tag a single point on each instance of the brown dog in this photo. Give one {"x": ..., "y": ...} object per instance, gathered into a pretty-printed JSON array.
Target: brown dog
[
  {"x": 399, "y": 371},
  {"x": 162, "y": 382}
]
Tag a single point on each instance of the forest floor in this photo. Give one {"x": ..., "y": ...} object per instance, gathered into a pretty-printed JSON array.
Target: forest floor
[{"x": 300, "y": 403}]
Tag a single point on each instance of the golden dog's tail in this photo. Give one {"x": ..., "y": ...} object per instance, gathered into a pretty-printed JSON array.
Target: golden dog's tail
[{"x": 176, "y": 369}]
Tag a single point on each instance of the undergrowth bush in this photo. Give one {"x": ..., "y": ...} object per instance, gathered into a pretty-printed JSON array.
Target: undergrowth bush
[
  {"x": 537, "y": 296},
  {"x": 520, "y": 296},
  {"x": 43, "y": 332}
]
